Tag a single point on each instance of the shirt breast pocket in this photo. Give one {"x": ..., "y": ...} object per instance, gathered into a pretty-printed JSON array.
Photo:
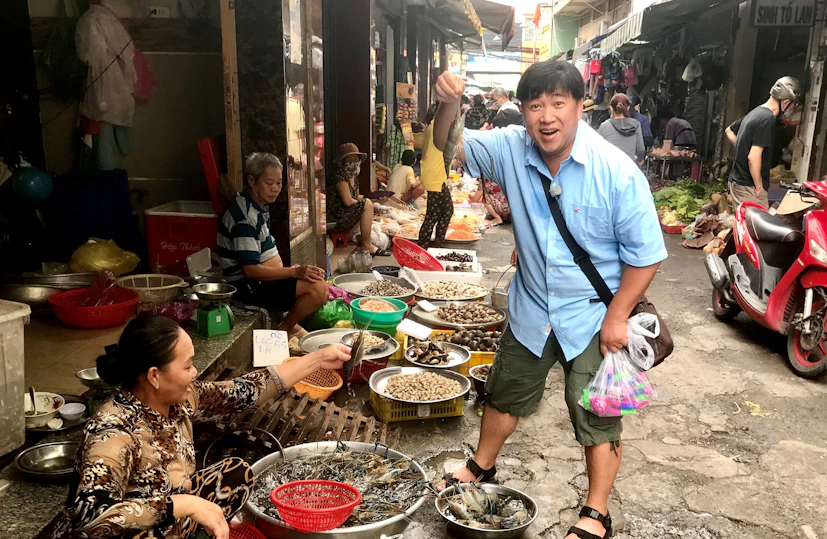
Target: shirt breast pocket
[{"x": 590, "y": 222}]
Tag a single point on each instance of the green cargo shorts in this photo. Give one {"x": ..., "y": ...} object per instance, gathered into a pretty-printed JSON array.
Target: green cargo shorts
[{"x": 517, "y": 382}]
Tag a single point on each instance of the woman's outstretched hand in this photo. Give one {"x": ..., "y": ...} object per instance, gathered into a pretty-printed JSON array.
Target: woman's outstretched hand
[{"x": 333, "y": 357}]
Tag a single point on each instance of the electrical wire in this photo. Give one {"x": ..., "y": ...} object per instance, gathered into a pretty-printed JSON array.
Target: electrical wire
[{"x": 89, "y": 87}]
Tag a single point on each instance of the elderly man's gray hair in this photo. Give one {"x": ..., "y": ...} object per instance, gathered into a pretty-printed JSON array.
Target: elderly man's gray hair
[
  {"x": 499, "y": 92},
  {"x": 257, "y": 163}
]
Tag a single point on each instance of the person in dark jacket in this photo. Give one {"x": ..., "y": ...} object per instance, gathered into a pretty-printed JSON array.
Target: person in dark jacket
[
  {"x": 622, "y": 131},
  {"x": 680, "y": 132},
  {"x": 645, "y": 126}
]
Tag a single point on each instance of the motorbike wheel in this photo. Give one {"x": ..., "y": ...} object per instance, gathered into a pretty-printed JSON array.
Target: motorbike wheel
[
  {"x": 806, "y": 363},
  {"x": 723, "y": 311}
]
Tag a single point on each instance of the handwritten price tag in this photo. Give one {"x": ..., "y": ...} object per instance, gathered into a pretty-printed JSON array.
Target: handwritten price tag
[{"x": 270, "y": 347}]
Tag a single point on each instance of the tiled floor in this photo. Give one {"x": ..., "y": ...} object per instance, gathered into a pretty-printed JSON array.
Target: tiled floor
[{"x": 55, "y": 352}]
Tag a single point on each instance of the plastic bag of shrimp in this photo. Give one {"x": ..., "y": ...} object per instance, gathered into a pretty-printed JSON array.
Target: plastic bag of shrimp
[{"x": 621, "y": 386}]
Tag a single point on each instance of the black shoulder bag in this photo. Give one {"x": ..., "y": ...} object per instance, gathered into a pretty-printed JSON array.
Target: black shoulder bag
[{"x": 662, "y": 345}]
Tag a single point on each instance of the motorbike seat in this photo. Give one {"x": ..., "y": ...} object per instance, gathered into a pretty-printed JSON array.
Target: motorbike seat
[{"x": 765, "y": 227}]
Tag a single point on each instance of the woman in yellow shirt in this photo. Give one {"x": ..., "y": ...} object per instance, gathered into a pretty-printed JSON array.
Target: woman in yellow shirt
[{"x": 434, "y": 179}]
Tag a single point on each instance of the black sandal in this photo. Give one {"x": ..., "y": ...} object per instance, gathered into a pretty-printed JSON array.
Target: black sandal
[
  {"x": 593, "y": 514},
  {"x": 483, "y": 476},
  {"x": 381, "y": 252}
]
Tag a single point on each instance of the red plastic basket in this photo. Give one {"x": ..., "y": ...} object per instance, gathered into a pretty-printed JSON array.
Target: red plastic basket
[
  {"x": 411, "y": 255},
  {"x": 66, "y": 307},
  {"x": 246, "y": 531},
  {"x": 361, "y": 374},
  {"x": 315, "y": 506}
]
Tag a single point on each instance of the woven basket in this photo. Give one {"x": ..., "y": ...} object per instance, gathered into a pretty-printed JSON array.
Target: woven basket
[
  {"x": 320, "y": 385},
  {"x": 154, "y": 288}
]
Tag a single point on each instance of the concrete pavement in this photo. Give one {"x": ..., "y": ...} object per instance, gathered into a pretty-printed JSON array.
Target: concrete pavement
[{"x": 734, "y": 446}]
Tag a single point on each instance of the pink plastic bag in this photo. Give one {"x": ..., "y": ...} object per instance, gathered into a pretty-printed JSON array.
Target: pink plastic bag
[
  {"x": 180, "y": 311},
  {"x": 145, "y": 81},
  {"x": 100, "y": 293},
  {"x": 621, "y": 386}
]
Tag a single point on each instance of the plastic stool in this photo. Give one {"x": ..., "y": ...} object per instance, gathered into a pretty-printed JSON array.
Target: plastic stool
[{"x": 338, "y": 237}]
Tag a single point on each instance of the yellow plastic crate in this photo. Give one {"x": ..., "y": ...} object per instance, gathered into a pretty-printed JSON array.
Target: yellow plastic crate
[
  {"x": 401, "y": 338},
  {"x": 477, "y": 358},
  {"x": 390, "y": 411}
]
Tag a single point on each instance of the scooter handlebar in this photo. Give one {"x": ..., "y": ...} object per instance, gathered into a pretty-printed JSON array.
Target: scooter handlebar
[{"x": 790, "y": 186}]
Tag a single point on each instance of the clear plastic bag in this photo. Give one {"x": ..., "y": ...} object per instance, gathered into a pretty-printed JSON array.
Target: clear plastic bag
[
  {"x": 621, "y": 386},
  {"x": 106, "y": 47}
]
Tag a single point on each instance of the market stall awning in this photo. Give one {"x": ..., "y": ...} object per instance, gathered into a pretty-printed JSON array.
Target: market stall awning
[
  {"x": 658, "y": 20},
  {"x": 450, "y": 17}
]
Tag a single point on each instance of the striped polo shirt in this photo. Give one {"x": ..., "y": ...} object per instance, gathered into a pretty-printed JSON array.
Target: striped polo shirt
[{"x": 244, "y": 237}]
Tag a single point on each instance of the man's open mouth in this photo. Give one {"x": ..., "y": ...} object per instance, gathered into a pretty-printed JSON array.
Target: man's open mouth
[{"x": 548, "y": 132}]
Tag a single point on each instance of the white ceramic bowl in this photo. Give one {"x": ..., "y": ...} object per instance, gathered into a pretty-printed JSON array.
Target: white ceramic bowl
[
  {"x": 47, "y": 408},
  {"x": 72, "y": 411}
]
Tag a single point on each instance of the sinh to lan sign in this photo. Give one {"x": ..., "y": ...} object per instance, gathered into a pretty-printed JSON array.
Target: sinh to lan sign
[{"x": 783, "y": 12}]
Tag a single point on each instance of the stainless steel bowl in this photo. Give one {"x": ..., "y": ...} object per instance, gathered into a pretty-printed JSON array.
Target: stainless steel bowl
[
  {"x": 276, "y": 529},
  {"x": 48, "y": 462},
  {"x": 34, "y": 295},
  {"x": 353, "y": 283},
  {"x": 89, "y": 378},
  {"x": 214, "y": 291},
  {"x": 36, "y": 290},
  {"x": 455, "y": 529}
]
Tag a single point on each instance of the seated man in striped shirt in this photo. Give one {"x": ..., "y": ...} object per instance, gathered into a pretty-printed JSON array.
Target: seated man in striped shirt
[{"x": 249, "y": 256}]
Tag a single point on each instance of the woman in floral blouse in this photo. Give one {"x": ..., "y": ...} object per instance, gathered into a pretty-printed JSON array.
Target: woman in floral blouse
[{"x": 135, "y": 470}]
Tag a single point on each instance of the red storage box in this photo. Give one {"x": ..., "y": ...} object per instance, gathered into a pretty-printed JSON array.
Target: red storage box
[{"x": 178, "y": 229}]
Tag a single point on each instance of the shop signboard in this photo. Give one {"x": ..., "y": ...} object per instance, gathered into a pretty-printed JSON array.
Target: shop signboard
[
  {"x": 783, "y": 12},
  {"x": 545, "y": 43}
]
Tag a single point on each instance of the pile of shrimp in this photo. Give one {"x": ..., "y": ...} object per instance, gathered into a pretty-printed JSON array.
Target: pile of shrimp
[{"x": 389, "y": 487}]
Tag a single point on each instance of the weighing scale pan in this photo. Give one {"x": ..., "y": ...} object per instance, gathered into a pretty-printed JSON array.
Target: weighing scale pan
[
  {"x": 379, "y": 382},
  {"x": 214, "y": 291},
  {"x": 316, "y": 340}
]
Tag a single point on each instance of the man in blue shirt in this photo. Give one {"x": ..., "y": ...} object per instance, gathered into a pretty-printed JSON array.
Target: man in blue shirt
[{"x": 555, "y": 315}]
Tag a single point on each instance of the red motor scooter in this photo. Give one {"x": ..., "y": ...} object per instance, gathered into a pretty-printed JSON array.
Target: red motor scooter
[{"x": 778, "y": 276}]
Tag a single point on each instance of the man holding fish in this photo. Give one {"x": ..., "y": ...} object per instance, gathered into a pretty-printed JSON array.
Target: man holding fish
[{"x": 555, "y": 313}]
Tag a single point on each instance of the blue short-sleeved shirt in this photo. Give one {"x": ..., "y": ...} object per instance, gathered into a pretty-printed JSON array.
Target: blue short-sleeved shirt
[
  {"x": 609, "y": 210},
  {"x": 244, "y": 237}
]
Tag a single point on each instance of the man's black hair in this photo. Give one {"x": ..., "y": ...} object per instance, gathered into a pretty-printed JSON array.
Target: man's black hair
[
  {"x": 548, "y": 77},
  {"x": 634, "y": 100}
]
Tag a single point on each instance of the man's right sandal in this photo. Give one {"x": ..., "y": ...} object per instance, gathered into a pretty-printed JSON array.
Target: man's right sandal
[
  {"x": 593, "y": 514},
  {"x": 483, "y": 476}
]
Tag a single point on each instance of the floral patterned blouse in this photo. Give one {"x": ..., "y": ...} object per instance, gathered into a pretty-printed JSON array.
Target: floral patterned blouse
[{"x": 132, "y": 459}]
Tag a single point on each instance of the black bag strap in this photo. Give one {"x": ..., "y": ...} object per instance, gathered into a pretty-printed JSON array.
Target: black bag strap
[{"x": 581, "y": 257}]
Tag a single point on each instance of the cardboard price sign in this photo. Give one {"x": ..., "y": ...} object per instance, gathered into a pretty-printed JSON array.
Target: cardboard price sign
[{"x": 270, "y": 347}]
